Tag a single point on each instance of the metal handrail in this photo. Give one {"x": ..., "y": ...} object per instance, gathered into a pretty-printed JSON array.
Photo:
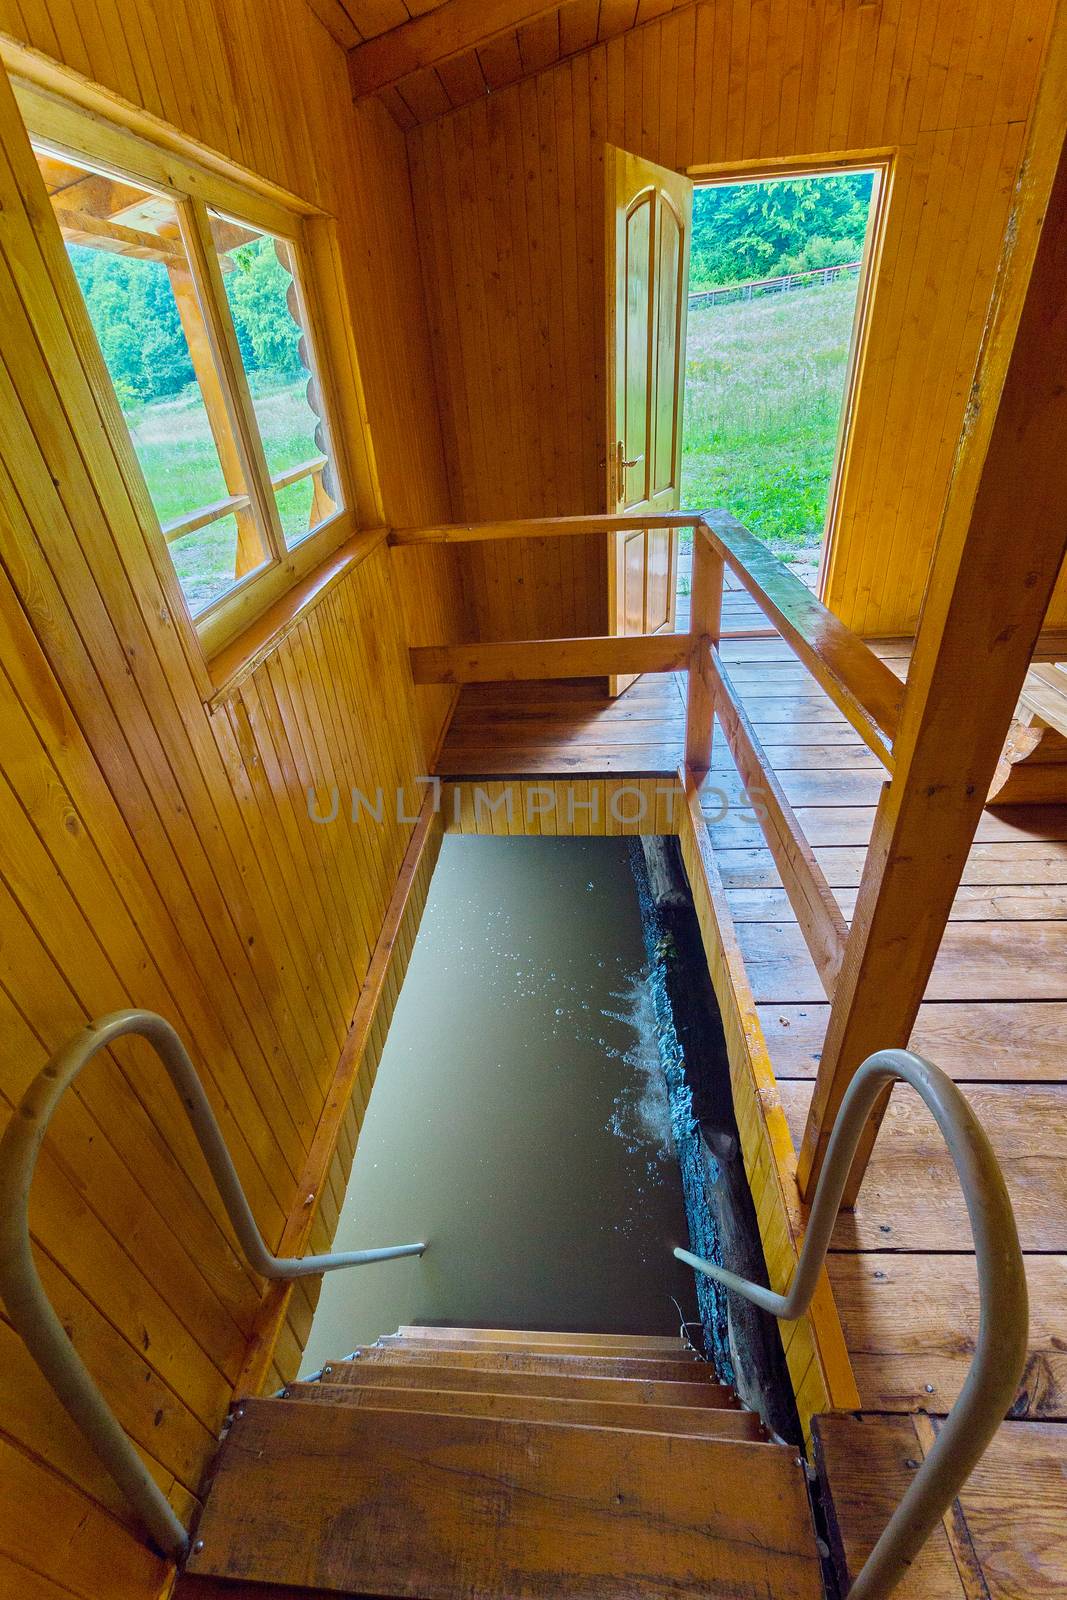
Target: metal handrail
[
  {"x": 24, "y": 1294},
  {"x": 1000, "y": 1352}
]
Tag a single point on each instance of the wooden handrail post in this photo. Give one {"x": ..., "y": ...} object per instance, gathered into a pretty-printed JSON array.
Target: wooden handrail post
[
  {"x": 1000, "y": 550},
  {"x": 705, "y": 626}
]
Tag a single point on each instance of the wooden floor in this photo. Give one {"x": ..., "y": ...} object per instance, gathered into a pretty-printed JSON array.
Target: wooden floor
[
  {"x": 995, "y": 1018},
  {"x": 503, "y": 729}
]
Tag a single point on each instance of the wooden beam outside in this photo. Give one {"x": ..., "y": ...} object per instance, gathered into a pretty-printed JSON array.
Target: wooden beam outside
[
  {"x": 81, "y": 227},
  {"x": 540, "y": 527},
  {"x": 434, "y": 37},
  {"x": 858, "y": 682},
  {"x": 550, "y": 658},
  {"x": 91, "y": 192},
  {"x": 818, "y": 913},
  {"x": 1001, "y": 546}
]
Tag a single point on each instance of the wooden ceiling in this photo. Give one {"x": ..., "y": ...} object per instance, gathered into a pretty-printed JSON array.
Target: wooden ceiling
[
  {"x": 424, "y": 57},
  {"x": 353, "y": 21}
]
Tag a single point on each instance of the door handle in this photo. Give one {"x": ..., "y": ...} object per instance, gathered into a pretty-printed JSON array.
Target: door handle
[{"x": 621, "y": 465}]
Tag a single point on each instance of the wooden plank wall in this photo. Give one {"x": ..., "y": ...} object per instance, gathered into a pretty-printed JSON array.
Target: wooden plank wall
[
  {"x": 509, "y": 206},
  {"x": 154, "y": 852}
]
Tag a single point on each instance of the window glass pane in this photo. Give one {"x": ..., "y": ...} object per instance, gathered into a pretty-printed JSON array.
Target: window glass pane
[
  {"x": 125, "y": 245},
  {"x": 263, "y": 291}
]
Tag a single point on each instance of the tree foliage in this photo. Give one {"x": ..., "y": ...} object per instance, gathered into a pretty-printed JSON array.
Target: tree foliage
[
  {"x": 256, "y": 288},
  {"x": 766, "y": 229},
  {"x": 135, "y": 315}
]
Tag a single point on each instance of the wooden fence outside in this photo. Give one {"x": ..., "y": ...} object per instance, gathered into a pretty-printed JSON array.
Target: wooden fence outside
[{"x": 761, "y": 286}]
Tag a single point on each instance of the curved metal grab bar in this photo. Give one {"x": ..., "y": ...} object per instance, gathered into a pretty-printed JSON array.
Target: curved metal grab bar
[
  {"x": 24, "y": 1295},
  {"x": 1000, "y": 1352}
]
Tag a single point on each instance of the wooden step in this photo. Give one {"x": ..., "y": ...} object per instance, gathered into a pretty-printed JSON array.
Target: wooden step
[
  {"x": 383, "y": 1503},
  {"x": 525, "y": 1361},
  {"x": 615, "y": 1343},
  {"x": 396, "y": 1341},
  {"x": 704, "y": 1422},
  {"x": 570, "y": 1385}
]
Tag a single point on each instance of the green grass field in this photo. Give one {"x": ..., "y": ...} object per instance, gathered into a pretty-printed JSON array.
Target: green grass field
[
  {"x": 177, "y": 454},
  {"x": 763, "y": 391}
]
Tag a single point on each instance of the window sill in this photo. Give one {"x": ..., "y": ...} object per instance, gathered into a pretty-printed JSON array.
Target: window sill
[{"x": 237, "y": 660}]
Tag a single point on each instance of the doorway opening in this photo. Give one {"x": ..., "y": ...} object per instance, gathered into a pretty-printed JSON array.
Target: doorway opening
[{"x": 778, "y": 292}]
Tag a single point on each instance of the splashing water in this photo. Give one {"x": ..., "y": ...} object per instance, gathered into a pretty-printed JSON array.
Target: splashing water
[{"x": 684, "y": 1131}]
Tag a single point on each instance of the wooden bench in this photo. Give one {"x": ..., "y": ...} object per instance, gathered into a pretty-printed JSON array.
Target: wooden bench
[{"x": 1033, "y": 767}]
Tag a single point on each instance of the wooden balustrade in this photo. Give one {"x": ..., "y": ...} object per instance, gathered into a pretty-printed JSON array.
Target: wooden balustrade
[
  {"x": 857, "y": 681},
  {"x": 821, "y": 922},
  {"x": 598, "y": 657}
]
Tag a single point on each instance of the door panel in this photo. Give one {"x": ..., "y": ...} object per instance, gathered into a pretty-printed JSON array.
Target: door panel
[
  {"x": 659, "y": 578},
  {"x": 649, "y": 219},
  {"x": 669, "y": 345},
  {"x": 633, "y": 582},
  {"x": 637, "y": 425}
]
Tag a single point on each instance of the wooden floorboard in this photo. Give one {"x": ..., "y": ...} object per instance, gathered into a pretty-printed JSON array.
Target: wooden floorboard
[
  {"x": 564, "y": 728},
  {"x": 1013, "y": 1040},
  {"x": 903, "y": 1314},
  {"x": 1003, "y": 1539},
  {"x": 911, "y": 1199}
]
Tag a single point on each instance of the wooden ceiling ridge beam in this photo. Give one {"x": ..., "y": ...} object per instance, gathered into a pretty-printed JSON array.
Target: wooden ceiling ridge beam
[{"x": 434, "y": 37}]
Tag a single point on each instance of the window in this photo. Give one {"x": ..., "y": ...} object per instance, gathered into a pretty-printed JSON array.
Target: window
[{"x": 203, "y": 321}]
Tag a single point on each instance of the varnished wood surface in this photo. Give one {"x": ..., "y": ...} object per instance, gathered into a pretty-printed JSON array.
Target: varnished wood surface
[
  {"x": 679, "y": 1370},
  {"x": 903, "y": 1315},
  {"x": 699, "y": 1422},
  {"x": 561, "y": 1386},
  {"x": 1003, "y": 1538},
  {"x": 510, "y": 1338},
  {"x": 861, "y": 685},
  {"x": 414, "y": 1504},
  {"x": 996, "y": 1017}
]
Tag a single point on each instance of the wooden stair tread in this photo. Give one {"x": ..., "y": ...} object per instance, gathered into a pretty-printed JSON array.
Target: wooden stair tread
[
  {"x": 645, "y": 1390},
  {"x": 704, "y": 1422},
  {"x": 1006, "y": 1529},
  {"x": 620, "y": 1343},
  {"x": 405, "y": 1504},
  {"x": 527, "y": 1361},
  {"x": 639, "y": 1352}
]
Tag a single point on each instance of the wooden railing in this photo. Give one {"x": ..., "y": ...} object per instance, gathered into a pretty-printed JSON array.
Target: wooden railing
[
  {"x": 203, "y": 516},
  {"x": 751, "y": 288},
  {"x": 858, "y": 682}
]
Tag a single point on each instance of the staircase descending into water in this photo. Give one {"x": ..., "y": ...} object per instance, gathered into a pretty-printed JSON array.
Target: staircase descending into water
[{"x": 446, "y": 1462}]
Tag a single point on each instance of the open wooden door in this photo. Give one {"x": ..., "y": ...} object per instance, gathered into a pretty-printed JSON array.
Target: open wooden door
[{"x": 649, "y": 223}]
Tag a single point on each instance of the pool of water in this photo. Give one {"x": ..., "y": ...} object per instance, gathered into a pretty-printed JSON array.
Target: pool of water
[{"x": 519, "y": 1121}]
